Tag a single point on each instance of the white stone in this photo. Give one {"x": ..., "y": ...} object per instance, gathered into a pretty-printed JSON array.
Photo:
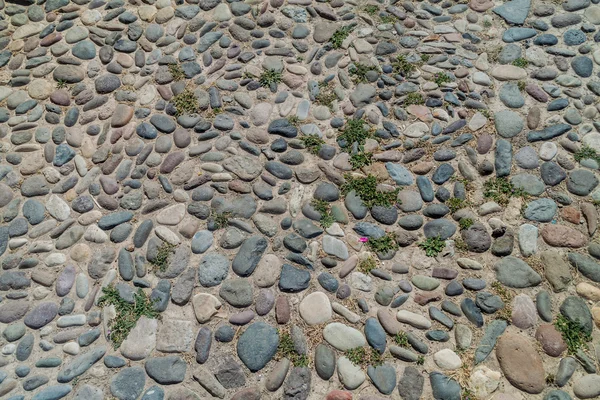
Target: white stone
[
  {"x": 95, "y": 235},
  {"x": 548, "y": 151},
  {"x": 175, "y": 336},
  {"x": 267, "y": 272},
  {"x": 528, "y": 235},
  {"x": 55, "y": 259},
  {"x": 167, "y": 235},
  {"x": 447, "y": 359},
  {"x": 416, "y": 130},
  {"x": 205, "y": 306},
  {"x": 58, "y": 208},
  {"x": 141, "y": 339},
  {"x": 343, "y": 337},
  {"x": 71, "y": 348},
  {"x": 335, "y": 247},
  {"x": 351, "y": 376},
  {"x": 416, "y": 320},
  {"x": 484, "y": 381},
  {"x": 171, "y": 215},
  {"x": 315, "y": 308},
  {"x": 592, "y": 140}
]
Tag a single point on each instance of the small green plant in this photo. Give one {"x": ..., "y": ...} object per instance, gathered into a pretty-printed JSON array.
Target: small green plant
[
  {"x": 586, "y": 152},
  {"x": 362, "y": 357},
  {"x": 432, "y": 246},
  {"x": 176, "y": 72},
  {"x": 371, "y": 9},
  {"x": 401, "y": 339},
  {"x": 361, "y": 159},
  {"x": 127, "y": 314},
  {"x": 222, "y": 219},
  {"x": 388, "y": 19},
  {"x": 366, "y": 189},
  {"x": 340, "y": 35},
  {"x": 402, "y": 66},
  {"x": 323, "y": 207},
  {"x": 185, "y": 102},
  {"x": 312, "y": 143},
  {"x": 294, "y": 120},
  {"x": 269, "y": 77},
  {"x": 487, "y": 23},
  {"x": 326, "y": 95},
  {"x": 359, "y": 71},
  {"x": 520, "y": 62},
  {"x": 425, "y": 57},
  {"x": 521, "y": 85},
  {"x": 465, "y": 223},
  {"x": 366, "y": 265},
  {"x": 573, "y": 334},
  {"x": 501, "y": 190},
  {"x": 287, "y": 350},
  {"x": 441, "y": 78},
  {"x": 460, "y": 245},
  {"x": 550, "y": 379},
  {"x": 413, "y": 98},
  {"x": 456, "y": 204},
  {"x": 487, "y": 113},
  {"x": 420, "y": 360},
  {"x": 217, "y": 110},
  {"x": 61, "y": 84},
  {"x": 384, "y": 244},
  {"x": 467, "y": 394},
  {"x": 161, "y": 261},
  {"x": 506, "y": 296},
  {"x": 354, "y": 130}
]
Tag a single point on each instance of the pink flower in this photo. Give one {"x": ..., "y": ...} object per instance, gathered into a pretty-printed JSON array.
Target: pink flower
[{"x": 364, "y": 239}]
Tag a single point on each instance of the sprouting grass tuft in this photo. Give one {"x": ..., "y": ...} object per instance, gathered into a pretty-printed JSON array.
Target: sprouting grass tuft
[
  {"x": 222, "y": 219},
  {"x": 415, "y": 98},
  {"x": 185, "y": 102},
  {"x": 354, "y": 130},
  {"x": 432, "y": 246},
  {"x": 371, "y": 9},
  {"x": 61, "y": 84},
  {"x": 402, "y": 66},
  {"x": 420, "y": 360},
  {"x": 326, "y": 95},
  {"x": 312, "y": 142},
  {"x": 501, "y": 190},
  {"x": 573, "y": 334},
  {"x": 163, "y": 255},
  {"x": 340, "y": 35},
  {"x": 361, "y": 159},
  {"x": 323, "y": 207},
  {"x": 441, "y": 78},
  {"x": 366, "y": 189},
  {"x": 383, "y": 244},
  {"x": 359, "y": 71},
  {"x": 287, "y": 350},
  {"x": 176, "y": 72},
  {"x": 520, "y": 62},
  {"x": 456, "y": 204},
  {"x": 269, "y": 77},
  {"x": 366, "y": 265},
  {"x": 586, "y": 152},
  {"x": 127, "y": 313},
  {"x": 465, "y": 223},
  {"x": 401, "y": 339},
  {"x": 362, "y": 357}
]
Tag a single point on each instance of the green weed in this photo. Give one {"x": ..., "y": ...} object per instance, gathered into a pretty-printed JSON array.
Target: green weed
[
  {"x": 573, "y": 334},
  {"x": 388, "y": 19},
  {"x": 222, "y": 220},
  {"x": 420, "y": 360},
  {"x": 371, "y": 9},
  {"x": 340, "y": 35},
  {"x": 354, "y": 131},
  {"x": 161, "y": 261},
  {"x": 366, "y": 265},
  {"x": 520, "y": 62},
  {"x": 359, "y": 71},
  {"x": 383, "y": 244},
  {"x": 586, "y": 152},
  {"x": 61, "y": 84},
  {"x": 269, "y": 77},
  {"x": 362, "y": 357},
  {"x": 441, "y": 78},
  {"x": 361, "y": 159},
  {"x": 326, "y": 95},
  {"x": 312, "y": 143},
  {"x": 127, "y": 313},
  {"x": 366, "y": 189},
  {"x": 432, "y": 246},
  {"x": 521, "y": 85},
  {"x": 465, "y": 223},
  {"x": 413, "y": 98},
  {"x": 287, "y": 350},
  {"x": 185, "y": 102},
  {"x": 401, "y": 339},
  {"x": 402, "y": 66},
  {"x": 323, "y": 207},
  {"x": 176, "y": 72},
  {"x": 456, "y": 204},
  {"x": 294, "y": 120},
  {"x": 501, "y": 190}
]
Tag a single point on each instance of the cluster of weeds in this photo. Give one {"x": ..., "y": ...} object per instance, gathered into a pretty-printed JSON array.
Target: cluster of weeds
[
  {"x": 312, "y": 143},
  {"x": 340, "y": 35},
  {"x": 506, "y": 296},
  {"x": 401, "y": 339},
  {"x": 361, "y": 159},
  {"x": 441, "y": 78},
  {"x": 362, "y": 357},
  {"x": 586, "y": 152},
  {"x": 520, "y": 62},
  {"x": 366, "y": 189},
  {"x": 161, "y": 261},
  {"x": 402, "y": 66},
  {"x": 425, "y": 57},
  {"x": 420, "y": 360},
  {"x": 487, "y": 113},
  {"x": 270, "y": 76},
  {"x": 222, "y": 219},
  {"x": 383, "y": 244},
  {"x": 294, "y": 120},
  {"x": 359, "y": 71},
  {"x": 550, "y": 379},
  {"x": 323, "y": 207},
  {"x": 176, "y": 72},
  {"x": 185, "y": 102},
  {"x": 460, "y": 245},
  {"x": 487, "y": 23},
  {"x": 326, "y": 95},
  {"x": 501, "y": 190},
  {"x": 354, "y": 130},
  {"x": 465, "y": 223},
  {"x": 366, "y": 265},
  {"x": 521, "y": 85},
  {"x": 413, "y": 98},
  {"x": 573, "y": 334},
  {"x": 61, "y": 84},
  {"x": 371, "y": 9},
  {"x": 127, "y": 314},
  {"x": 287, "y": 350},
  {"x": 388, "y": 19},
  {"x": 467, "y": 394},
  {"x": 456, "y": 203},
  {"x": 433, "y": 246}
]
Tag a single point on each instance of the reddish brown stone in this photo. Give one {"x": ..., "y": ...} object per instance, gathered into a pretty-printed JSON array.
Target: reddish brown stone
[
  {"x": 563, "y": 236},
  {"x": 282, "y": 310},
  {"x": 339, "y": 395},
  {"x": 551, "y": 340},
  {"x": 425, "y": 298},
  {"x": 571, "y": 214}
]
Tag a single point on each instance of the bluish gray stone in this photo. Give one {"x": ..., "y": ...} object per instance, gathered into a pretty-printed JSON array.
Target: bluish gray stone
[
  {"x": 257, "y": 345},
  {"x": 166, "y": 370},
  {"x": 128, "y": 383},
  {"x": 492, "y": 332},
  {"x": 541, "y": 210}
]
